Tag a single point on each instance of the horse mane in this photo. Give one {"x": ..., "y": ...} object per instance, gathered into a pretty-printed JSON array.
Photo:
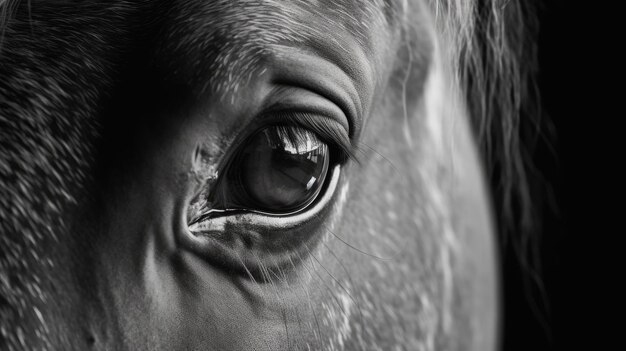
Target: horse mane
[
  {"x": 493, "y": 47},
  {"x": 494, "y": 58}
]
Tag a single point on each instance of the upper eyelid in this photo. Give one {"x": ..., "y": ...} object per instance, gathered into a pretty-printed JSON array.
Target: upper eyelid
[
  {"x": 322, "y": 75},
  {"x": 294, "y": 98},
  {"x": 292, "y": 104},
  {"x": 335, "y": 98}
]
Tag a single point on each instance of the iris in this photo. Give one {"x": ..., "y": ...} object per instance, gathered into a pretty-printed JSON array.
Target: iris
[{"x": 280, "y": 169}]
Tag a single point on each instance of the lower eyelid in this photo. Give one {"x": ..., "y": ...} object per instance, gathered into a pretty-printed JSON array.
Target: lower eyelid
[
  {"x": 282, "y": 222},
  {"x": 252, "y": 242}
]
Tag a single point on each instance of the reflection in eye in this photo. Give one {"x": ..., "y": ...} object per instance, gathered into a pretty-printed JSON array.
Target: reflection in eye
[
  {"x": 278, "y": 170},
  {"x": 281, "y": 168}
]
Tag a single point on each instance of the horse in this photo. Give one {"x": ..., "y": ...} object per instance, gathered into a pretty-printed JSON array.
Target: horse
[{"x": 255, "y": 174}]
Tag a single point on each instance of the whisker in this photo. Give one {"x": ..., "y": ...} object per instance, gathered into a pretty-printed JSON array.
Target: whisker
[
  {"x": 355, "y": 301},
  {"x": 286, "y": 328},
  {"x": 308, "y": 297},
  {"x": 250, "y": 275},
  {"x": 357, "y": 249},
  {"x": 407, "y": 130},
  {"x": 299, "y": 320},
  {"x": 393, "y": 166},
  {"x": 332, "y": 293},
  {"x": 266, "y": 275},
  {"x": 334, "y": 278},
  {"x": 349, "y": 276}
]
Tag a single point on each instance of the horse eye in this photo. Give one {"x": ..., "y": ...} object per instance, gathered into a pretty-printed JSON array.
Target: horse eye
[{"x": 279, "y": 170}]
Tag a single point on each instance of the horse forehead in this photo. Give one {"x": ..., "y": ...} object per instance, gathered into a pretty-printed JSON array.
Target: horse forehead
[
  {"x": 228, "y": 38},
  {"x": 254, "y": 17}
]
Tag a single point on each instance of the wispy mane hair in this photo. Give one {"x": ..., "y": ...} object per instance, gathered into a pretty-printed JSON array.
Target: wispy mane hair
[{"x": 493, "y": 51}]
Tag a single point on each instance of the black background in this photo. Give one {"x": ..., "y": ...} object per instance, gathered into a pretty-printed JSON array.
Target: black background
[{"x": 575, "y": 84}]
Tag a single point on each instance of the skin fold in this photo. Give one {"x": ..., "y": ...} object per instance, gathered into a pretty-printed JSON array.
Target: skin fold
[{"x": 121, "y": 113}]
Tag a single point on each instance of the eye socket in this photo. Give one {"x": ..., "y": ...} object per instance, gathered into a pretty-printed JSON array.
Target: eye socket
[
  {"x": 278, "y": 170},
  {"x": 264, "y": 209}
]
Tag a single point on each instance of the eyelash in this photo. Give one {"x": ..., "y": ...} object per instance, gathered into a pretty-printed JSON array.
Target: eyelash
[{"x": 339, "y": 143}]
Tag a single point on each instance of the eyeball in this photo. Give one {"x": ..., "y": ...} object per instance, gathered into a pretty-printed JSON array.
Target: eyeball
[
  {"x": 282, "y": 169},
  {"x": 279, "y": 169}
]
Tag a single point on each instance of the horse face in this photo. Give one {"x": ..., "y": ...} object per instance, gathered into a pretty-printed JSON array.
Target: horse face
[{"x": 172, "y": 213}]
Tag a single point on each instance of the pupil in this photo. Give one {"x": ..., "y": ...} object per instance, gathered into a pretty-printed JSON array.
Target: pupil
[{"x": 283, "y": 168}]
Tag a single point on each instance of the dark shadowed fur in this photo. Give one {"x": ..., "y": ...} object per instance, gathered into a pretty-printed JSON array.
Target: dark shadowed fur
[{"x": 53, "y": 63}]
